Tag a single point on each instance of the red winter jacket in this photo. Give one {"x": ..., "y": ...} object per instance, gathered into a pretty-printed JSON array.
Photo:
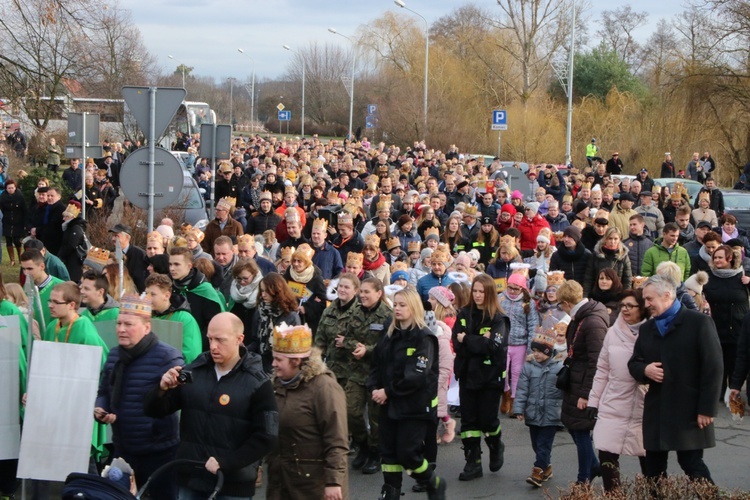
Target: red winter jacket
[{"x": 530, "y": 230}]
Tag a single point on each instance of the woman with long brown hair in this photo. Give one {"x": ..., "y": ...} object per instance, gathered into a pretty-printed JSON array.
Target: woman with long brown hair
[
  {"x": 277, "y": 305},
  {"x": 480, "y": 335}
]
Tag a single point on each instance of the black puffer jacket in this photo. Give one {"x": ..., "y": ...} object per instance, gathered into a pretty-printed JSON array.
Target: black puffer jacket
[
  {"x": 405, "y": 364},
  {"x": 585, "y": 336},
  {"x": 233, "y": 419},
  {"x": 261, "y": 222},
  {"x": 480, "y": 361},
  {"x": 572, "y": 263}
]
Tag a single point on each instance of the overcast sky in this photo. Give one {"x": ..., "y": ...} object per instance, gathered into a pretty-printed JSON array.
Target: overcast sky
[{"x": 205, "y": 34}]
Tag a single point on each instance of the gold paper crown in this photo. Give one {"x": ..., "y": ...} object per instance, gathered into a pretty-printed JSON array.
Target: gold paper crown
[
  {"x": 133, "y": 304},
  {"x": 440, "y": 255},
  {"x": 304, "y": 250},
  {"x": 73, "y": 210},
  {"x": 555, "y": 278},
  {"x": 430, "y": 231},
  {"x": 345, "y": 218},
  {"x": 292, "y": 341},
  {"x": 679, "y": 188},
  {"x": 357, "y": 193},
  {"x": 227, "y": 203},
  {"x": 414, "y": 246},
  {"x": 354, "y": 259},
  {"x": 383, "y": 169},
  {"x": 704, "y": 195},
  {"x": 507, "y": 241},
  {"x": 98, "y": 256},
  {"x": 545, "y": 337},
  {"x": 286, "y": 253},
  {"x": 393, "y": 242},
  {"x": 639, "y": 281},
  {"x": 265, "y": 195},
  {"x": 675, "y": 196},
  {"x": 384, "y": 205},
  {"x": 372, "y": 239},
  {"x": 471, "y": 210},
  {"x": 521, "y": 268},
  {"x": 155, "y": 236},
  {"x": 246, "y": 238},
  {"x": 398, "y": 266},
  {"x": 290, "y": 189},
  {"x": 321, "y": 224}
]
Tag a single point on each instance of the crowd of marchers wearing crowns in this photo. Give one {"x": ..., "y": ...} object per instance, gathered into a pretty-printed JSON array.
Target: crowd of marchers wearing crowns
[{"x": 360, "y": 282}]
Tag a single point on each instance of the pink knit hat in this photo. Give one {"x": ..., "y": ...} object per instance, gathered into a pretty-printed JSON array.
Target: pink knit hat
[
  {"x": 516, "y": 195},
  {"x": 518, "y": 279},
  {"x": 443, "y": 295},
  {"x": 463, "y": 258}
]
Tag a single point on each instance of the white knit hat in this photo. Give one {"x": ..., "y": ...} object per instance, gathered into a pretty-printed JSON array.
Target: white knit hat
[{"x": 695, "y": 282}]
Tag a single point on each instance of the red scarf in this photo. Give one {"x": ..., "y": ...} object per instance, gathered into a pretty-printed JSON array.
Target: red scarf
[{"x": 369, "y": 266}]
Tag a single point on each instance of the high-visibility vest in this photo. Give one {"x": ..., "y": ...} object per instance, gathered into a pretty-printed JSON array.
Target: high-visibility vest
[{"x": 592, "y": 150}]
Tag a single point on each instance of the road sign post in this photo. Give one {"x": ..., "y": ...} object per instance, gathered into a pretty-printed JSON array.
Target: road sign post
[
  {"x": 499, "y": 122},
  {"x": 83, "y": 129},
  {"x": 217, "y": 144},
  {"x": 153, "y": 109}
]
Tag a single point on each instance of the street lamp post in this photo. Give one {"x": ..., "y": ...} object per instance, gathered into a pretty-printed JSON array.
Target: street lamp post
[
  {"x": 252, "y": 94},
  {"x": 568, "y": 152},
  {"x": 351, "y": 90},
  {"x": 401, "y": 4},
  {"x": 303, "y": 85},
  {"x": 182, "y": 65},
  {"x": 231, "y": 101}
]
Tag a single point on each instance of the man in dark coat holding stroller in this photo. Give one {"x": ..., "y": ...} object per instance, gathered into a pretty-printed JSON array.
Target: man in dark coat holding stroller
[{"x": 678, "y": 355}]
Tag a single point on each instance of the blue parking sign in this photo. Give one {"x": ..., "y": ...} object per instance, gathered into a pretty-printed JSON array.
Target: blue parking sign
[
  {"x": 285, "y": 116},
  {"x": 372, "y": 109},
  {"x": 499, "y": 120}
]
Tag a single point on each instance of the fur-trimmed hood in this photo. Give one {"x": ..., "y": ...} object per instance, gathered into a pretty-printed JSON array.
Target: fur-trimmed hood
[
  {"x": 622, "y": 252},
  {"x": 311, "y": 368}
]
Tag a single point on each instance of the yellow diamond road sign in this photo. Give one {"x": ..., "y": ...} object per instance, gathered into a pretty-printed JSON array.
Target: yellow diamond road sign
[{"x": 280, "y": 107}]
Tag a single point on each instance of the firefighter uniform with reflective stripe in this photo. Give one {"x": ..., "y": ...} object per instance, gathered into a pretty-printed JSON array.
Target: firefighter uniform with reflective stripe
[
  {"x": 405, "y": 364},
  {"x": 480, "y": 371}
]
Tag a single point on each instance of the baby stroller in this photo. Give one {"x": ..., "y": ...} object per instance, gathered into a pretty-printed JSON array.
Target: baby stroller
[{"x": 80, "y": 486}]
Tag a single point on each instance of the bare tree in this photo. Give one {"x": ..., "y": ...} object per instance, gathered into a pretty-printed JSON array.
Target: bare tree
[
  {"x": 659, "y": 52},
  {"x": 538, "y": 28},
  {"x": 617, "y": 29}
]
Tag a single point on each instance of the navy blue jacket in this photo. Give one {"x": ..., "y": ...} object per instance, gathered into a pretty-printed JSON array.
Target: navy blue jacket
[
  {"x": 328, "y": 259},
  {"x": 133, "y": 432}
]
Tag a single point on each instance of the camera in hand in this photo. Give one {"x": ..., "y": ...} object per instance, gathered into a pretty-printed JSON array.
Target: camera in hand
[{"x": 185, "y": 377}]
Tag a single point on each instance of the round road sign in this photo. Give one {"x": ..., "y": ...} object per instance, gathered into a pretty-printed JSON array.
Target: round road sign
[{"x": 168, "y": 178}]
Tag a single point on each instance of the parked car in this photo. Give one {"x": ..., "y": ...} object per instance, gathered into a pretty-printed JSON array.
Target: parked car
[
  {"x": 693, "y": 187},
  {"x": 193, "y": 203},
  {"x": 737, "y": 203}
]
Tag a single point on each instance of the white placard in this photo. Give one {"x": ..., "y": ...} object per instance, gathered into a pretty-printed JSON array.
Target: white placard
[
  {"x": 10, "y": 424},
  {"x": 59, "y": 418}
]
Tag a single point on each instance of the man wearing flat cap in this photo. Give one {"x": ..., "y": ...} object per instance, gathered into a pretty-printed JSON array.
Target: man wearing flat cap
[
  {"x": 136, "y": 260},
  {"x": 623, "y": 210}
]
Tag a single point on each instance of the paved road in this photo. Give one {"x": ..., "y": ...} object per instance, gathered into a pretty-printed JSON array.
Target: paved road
[{"x": 728, "y": 463}]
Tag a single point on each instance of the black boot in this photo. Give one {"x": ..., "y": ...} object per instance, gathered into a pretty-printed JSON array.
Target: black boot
[
  {"x": 437, "y": 486},
  {"x": 473, "y": 456},
  {"x": 421, "y": 486},
  {"x": 361, "y": 458},
  {"x": 497, "y": 452},
  {"x": 372, "y": 465},
  {"x": 388, "y": 492}
]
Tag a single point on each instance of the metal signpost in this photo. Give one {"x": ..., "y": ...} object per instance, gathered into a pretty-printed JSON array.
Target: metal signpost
[
  {"x": 83, "y": 140},
  {"x": 285, "y": 116},
  {"x": 153, "y": 109},
  {"x": 216, "y": 143},
  {"x": 499, "y": 122},
  {"x": 371, "y": 120}
]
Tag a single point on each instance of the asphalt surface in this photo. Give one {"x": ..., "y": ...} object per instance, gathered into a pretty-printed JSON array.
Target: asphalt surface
[{"x": 728, "y": 463}]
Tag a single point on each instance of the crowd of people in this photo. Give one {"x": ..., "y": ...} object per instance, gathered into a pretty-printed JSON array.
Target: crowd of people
[{"x": 342, "y": 288}]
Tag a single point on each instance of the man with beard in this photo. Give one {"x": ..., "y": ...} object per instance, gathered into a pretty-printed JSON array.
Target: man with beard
[
  {"x": 205, "y": 302},
  {"x": 687, "y": 231},
  {"x": 386, "y": 191}
]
